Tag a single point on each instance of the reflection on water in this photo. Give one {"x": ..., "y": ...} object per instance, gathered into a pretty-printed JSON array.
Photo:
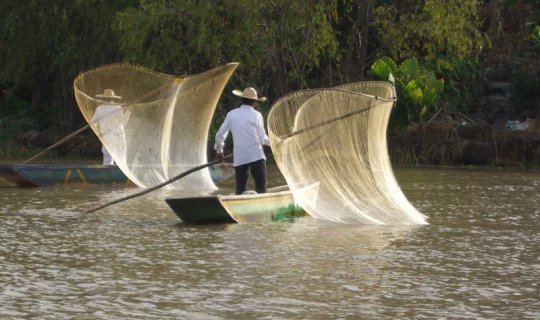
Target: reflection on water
[{"x": 478, "y": 258}]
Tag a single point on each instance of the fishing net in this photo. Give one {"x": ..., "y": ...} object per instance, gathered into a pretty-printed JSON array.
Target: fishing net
[
  {"x": 155, "y": 126},
  {"x": 337, "y": 138}
]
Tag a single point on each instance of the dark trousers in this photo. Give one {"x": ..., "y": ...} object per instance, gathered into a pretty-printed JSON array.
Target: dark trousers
[{"x": 258, "y": 172}]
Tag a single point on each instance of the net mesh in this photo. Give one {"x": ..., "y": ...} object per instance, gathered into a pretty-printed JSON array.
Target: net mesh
[
  {"x": 159, "y": 127},
  {"x": 337, "y": 138}
]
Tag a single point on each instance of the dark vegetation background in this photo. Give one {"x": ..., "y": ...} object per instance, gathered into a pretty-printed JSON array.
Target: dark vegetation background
[{"x": 463, "y": 68}]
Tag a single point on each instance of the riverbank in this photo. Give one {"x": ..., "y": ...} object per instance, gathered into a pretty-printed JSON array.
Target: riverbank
[
  {"x": 435, "y": 143},
  {"x": 453, "y": 144}
]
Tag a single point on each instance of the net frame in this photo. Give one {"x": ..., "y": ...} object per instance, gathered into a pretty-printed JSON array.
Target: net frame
[
  {"x": 168, "y": 120},
  {"x": 336, "y": 137}
]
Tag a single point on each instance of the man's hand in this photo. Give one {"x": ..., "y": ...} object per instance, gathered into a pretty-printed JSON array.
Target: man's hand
[{"x": 219, "y": 157}]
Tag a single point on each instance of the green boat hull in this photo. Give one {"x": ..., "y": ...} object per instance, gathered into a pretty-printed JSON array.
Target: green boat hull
[
  {"x": 199, "y": 210},
  {"x": 250, "y": 208},
  {"x": 62, "y": 174},
  {"x": 42, "y": 175}
]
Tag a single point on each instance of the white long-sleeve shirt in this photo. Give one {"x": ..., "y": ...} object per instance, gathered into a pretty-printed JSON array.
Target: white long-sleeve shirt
[
  {"x": 247, "y": 127},
  {"x": 110, "y": 120}
]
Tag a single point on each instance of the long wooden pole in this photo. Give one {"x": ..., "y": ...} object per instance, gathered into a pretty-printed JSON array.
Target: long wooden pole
[
  {"x": 320, "y": 124},
  {"x": 56, "y": 144},
  {"x": 183, "y": 174},
  {"x": 347, "y": 115}
]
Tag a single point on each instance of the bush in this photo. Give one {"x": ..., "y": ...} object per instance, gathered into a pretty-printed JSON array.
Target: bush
[{"x": 535, "y": 36}]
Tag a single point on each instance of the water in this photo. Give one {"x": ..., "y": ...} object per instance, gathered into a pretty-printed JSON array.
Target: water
[{"x": 478, "y": 258}]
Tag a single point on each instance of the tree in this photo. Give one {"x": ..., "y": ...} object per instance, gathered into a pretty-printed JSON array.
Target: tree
[
  {"x": 446, "y": 39},
  {"x": 352, "y": 22},
  {"x": 297, "y": 37},
  {"x": 278, "y": 42},
  {"x": 430, "y": 29},
  {"x": 47, "y": 43}
]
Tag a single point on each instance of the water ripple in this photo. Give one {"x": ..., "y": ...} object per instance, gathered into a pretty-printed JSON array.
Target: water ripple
[{"x": 478, "y": 258}]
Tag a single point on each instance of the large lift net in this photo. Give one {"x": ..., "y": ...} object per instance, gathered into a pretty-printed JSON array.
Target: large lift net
[
  {"x": 337, "y": 138},
  {"x": 156, "y": 126}
]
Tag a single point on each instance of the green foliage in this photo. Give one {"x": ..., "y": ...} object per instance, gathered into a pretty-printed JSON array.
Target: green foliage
[
  {"x": 351, "y": 21},
  {"x": 278, "y": 43},
  {"x": 45, "y": 44},
  {"x": 10, "y": 104},
  {"x": 527, "y": 83},
  {"x": 420, "y": 90},
  {"x": 282, "y": 45},
  {"x": 383, "y": 67},
  {"x": 19, "y": 112},
  {"x": 526, "y": 70},
  {"x": 535, "y": 36},
  {"x": 430, "y": 28},
  {"x": 463, "y": 81},
  {"x": 417, "y": 86},
  {"x": 16, "y": 117}
]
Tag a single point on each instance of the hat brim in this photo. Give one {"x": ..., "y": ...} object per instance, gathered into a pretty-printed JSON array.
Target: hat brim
[
  {"x": 240, "y": 94},
  {"x": 110, "y": 97}
]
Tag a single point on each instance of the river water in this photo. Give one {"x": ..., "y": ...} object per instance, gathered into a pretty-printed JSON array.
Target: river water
[{"x": 477, "y": 259}]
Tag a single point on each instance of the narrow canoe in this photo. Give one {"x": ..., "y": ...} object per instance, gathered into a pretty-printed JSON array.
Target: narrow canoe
[
  {"x": 277, "y": 204},
  {"x": 41, "y": 175}
]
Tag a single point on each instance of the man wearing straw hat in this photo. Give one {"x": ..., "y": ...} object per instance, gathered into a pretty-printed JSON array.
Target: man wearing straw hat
[
  {"x": 249, "y": 135},
  {"x": 110, "y": 121}
]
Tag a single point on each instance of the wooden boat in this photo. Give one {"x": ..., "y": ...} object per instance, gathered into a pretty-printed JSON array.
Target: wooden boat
[
  {"x": 40, "y": 175},
  {"x": 277, "y": 204}
]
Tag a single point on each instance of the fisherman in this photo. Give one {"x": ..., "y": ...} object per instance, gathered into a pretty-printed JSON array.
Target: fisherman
[
  {"x": 110, "y": 120},
  {"x": 249, "y": 135}
]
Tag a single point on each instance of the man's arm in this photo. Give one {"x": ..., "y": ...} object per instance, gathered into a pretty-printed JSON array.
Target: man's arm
[
  {"x": 263, "y": 137},
  {"x": 221, "y": 135}
]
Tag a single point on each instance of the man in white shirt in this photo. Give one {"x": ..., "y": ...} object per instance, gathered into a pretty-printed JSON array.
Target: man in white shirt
[
  {"x": 110, "y": 119},
  {"x": 249, "y": 135}
]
